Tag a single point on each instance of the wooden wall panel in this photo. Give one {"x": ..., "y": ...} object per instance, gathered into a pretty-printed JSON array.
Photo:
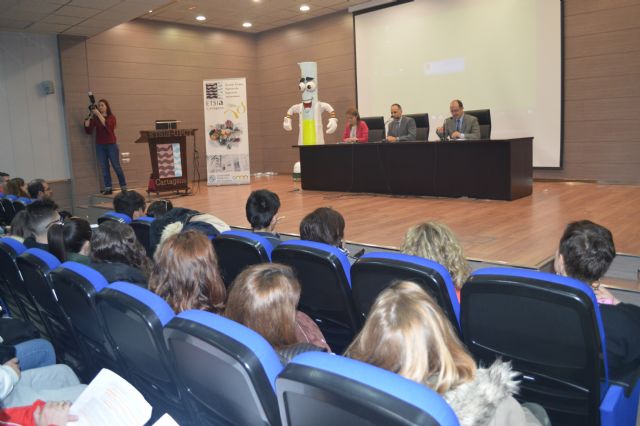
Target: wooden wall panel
[
  {"x": 602, "y": 95},
  {"x": 327, "y": 41}
]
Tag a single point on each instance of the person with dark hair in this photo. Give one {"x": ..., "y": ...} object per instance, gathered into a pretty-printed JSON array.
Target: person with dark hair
[
  {"x": 130, "y": 203},
  {"x": 4, "y": 179},
  {"x": 186, "y": 274},
  {"x": 70, "y": 240},
  {"x": 159, "y": 208},
  {"x": 262, "y": 209},
  {"x": 265, "y": 298},
  {"x": 19, "y": 227},
  {"x": 17, "y": 187},
  {"x": 585, "y": 253},
  {"x": 39, "y": 189},
  {"x": 118, "y": 255},
  {"x": 101, "y": 119},
  {"x": 401, "y": 129},
  {"x": 323, "y": 225},
  {"x": 356, "y": 129},
  {"x": 459, "y": 126},
  {"x": 41, "y": 214}
]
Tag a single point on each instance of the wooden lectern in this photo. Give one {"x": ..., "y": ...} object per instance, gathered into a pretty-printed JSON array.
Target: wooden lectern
[{"x": 168, "y": 151}]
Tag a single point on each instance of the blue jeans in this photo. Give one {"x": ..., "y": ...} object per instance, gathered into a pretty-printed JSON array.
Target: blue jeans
[
  {"x": 35, "y": 353},
  {"x": 110, "y": 153}
]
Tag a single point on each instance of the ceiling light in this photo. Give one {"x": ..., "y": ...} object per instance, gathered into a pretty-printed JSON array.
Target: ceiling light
[
  {"x": 201, "y": 18},
  {"x": 247, "y": 24},
  {"x": 305, "y": 8},
  {"x": 150, "y": 11}
]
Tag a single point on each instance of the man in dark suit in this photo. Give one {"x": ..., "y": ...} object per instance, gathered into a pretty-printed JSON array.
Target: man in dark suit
[
  {"x": 459, "y": 126},
  {"x": 401, "y": 128}
]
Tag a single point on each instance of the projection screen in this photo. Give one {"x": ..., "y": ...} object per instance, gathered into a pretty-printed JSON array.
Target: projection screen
[{"x": 505, "y": 55}]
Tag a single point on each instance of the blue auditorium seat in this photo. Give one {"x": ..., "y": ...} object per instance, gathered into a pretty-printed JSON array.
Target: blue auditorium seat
[
  {"x": 76, "y": 286},
  {"x": 374, "y": 272},
  {"x": 118, "y": 217},
  {"x": 135, "y": 319},
  {"x": 10, "y": 277},
  {"x": 317, "y": 389},
  {"x": 142, "y": 228},
  {"x": 229, "y": 370},
  {"x": 549, "y": 327},
  {"x": 237, "y": 249},
  {"x": 21, "y": 203},
  {"x": 324, "y": 275},
  {"x": 36, "y": 265}
]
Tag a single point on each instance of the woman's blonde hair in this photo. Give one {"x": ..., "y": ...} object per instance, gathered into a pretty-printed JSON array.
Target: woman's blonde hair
[
  {"x": 437, "y": 242},
  {"x": 406, "y": 332},
  {"x": 265, "y": 298}
]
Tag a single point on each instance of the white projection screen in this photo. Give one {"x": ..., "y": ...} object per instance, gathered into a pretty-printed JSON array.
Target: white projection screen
[{"x": 504, "y": 55}]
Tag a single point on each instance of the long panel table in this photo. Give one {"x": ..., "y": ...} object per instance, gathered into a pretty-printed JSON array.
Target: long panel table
[{"x": 499, "y": 169}]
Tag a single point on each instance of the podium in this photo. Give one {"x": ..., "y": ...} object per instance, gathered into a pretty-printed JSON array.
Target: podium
[{"x": 168, "y": 152}]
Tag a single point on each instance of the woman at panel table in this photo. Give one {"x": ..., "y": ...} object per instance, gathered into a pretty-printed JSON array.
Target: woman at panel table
[{"x": 356, "y": 130}]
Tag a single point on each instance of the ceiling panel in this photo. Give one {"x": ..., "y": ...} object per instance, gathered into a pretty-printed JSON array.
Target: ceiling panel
[{"x": 90, "y": 17}]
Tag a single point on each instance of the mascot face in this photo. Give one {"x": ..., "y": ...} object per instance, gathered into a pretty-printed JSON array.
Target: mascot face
[{"x": 309, "y": 89}]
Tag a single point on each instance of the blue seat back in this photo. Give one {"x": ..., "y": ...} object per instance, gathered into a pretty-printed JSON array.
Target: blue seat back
[
  {"x": 374, "y": 272},
  {"x": 549, "y": 327},
  {"x": 324, "y": 275},
  {"x": 135, "y": 318},
  {"x": 229, "y": 370},
  {"x": 322, "y": 389},
  {"x": 36, "y": 265},
  {"x": 10, "y": 277},
  {"x": 142, "y": 228},
  {"x": 237, "y": 249},
  {"x": 76, "y": 286},
  {"x": 118, "y": 217}
]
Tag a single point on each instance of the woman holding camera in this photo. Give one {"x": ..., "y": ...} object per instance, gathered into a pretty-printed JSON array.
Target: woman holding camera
[{"x": 104, "y": 122}]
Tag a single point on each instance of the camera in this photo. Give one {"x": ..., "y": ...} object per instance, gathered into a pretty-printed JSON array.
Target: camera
[{"x": 92, "y": 100}]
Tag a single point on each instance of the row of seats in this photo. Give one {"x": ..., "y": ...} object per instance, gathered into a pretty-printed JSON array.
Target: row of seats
[
  {"x": 377, "y": 126},
  {"x": 547, "y": 325},
  {"x": 10, "y": 205},
  {"x": 200, "y": 367}
]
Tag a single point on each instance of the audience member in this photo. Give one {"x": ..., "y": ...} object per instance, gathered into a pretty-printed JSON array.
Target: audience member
[
  {"x": 323, "y": 225},
  {"x": 159, "y": 208},
  {"x": 186, "y": 273},
  {"x": 17, "y": 187},
  {"x": 356, "y": 129},
  {"x": 130, "y": 203},
  {"x": 262, "y": 213},
  {"x": 39, "y": 189},
  {"x": 118, "y": 255},
  {"x": 265, "y": 298},
  {"x": 436, "y": 241},
  {"x": 4, "y": 179},
  {"x": 407, "y": 333},
  {"x": 70, "y": 240},
  {"x": 19, "y": 227},
  {"x": 585, "y": 253},
  {"x": 41, "y": 214}
]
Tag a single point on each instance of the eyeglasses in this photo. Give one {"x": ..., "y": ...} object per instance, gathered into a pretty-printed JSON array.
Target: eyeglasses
[{"x": 58, "y": 221}]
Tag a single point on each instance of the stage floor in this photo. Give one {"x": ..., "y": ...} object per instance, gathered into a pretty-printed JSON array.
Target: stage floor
[{"x": 524, "y": 232}]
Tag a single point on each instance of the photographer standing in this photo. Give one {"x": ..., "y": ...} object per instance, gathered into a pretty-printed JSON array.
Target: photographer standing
[{"x": 102, "y": 119}]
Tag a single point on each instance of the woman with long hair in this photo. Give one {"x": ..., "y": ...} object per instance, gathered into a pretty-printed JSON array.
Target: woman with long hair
[
  {"x": 17, "y": 187},
  {"x": 356, "y": 129},
  {"x": 407, "y": 333},
  {"x": 265, "y": 298},
  {"x": 436, "y": 241},
  {"x": 70, "y": 240},
  {"x": 118, "y": 255},
  {"x": 186, "y": 273},
  {"x": 101, "y": 119}
]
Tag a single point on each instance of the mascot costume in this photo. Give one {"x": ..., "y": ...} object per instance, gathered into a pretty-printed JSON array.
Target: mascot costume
[{"x": 310, "y": 109}]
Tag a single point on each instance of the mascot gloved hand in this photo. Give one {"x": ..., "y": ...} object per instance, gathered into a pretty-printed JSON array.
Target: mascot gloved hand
[{"x": 310, "y": 110}]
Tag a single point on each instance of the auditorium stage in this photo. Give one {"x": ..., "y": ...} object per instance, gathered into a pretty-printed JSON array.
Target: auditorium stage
[{"x": 524, "y": 232}]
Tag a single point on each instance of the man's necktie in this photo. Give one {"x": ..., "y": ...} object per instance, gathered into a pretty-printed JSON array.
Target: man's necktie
[{"x": 458, "y": 124}]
